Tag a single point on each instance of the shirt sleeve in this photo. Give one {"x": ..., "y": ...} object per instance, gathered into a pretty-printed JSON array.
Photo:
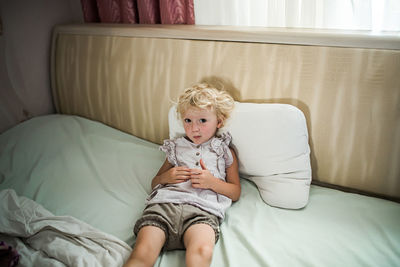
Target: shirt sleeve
[
  {"x": 228, "y": 157},
  {"x": 226, "y": 141},
  {"x": 169, "y": 148}
]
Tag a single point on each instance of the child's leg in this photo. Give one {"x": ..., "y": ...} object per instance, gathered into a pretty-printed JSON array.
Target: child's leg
[
  {"x": 149, "y": 243},
  {"x": 199, "y": 240}
]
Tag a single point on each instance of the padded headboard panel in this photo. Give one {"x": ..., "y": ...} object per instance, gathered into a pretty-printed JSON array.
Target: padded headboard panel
[{"x": 127, "y": 79}]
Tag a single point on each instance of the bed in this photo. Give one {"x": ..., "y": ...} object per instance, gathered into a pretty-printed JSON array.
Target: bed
[{"x": 78, "y": 179}]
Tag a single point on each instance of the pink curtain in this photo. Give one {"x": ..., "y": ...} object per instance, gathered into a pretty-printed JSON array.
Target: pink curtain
[{"x": 139, "y": 11}]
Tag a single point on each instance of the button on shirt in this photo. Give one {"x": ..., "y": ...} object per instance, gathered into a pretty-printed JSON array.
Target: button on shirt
[{"x": 216, "y": 156}]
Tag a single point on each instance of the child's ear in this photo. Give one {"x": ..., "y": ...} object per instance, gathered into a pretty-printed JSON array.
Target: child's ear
[{"x": 220, "y": 123}]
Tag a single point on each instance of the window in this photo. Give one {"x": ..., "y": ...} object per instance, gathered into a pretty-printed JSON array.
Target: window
[{"x": 371, "y": 15}]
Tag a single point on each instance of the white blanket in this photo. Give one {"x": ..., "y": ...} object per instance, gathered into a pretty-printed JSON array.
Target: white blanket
[{"x": 43, "y": 239}]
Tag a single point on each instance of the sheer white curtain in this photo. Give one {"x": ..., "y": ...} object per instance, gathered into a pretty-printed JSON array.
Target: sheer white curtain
[{"x": 375, "y": 15}]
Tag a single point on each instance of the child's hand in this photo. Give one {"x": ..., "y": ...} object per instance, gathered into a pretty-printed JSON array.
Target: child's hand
[
  {"x": 175, "y": 175},
  {"x": 202, "y": 178}
]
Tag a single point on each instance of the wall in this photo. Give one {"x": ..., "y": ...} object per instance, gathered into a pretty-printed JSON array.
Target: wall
[{"x": 25, "y": 55}]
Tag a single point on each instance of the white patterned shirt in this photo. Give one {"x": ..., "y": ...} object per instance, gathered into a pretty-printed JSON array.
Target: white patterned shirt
[{"x": 216, "y": 156}]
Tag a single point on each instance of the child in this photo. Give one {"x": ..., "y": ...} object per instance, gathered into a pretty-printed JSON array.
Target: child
[{"x": 193, "y": 188}]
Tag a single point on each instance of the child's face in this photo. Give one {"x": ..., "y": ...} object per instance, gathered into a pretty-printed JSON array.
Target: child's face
[{"x": 200, "y": 124}]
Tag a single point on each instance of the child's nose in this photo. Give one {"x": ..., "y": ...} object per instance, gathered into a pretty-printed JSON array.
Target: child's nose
[{"x": 195, "y": 127}]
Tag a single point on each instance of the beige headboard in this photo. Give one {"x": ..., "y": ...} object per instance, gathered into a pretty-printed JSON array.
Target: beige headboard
[{"x": 126, "y": 76}]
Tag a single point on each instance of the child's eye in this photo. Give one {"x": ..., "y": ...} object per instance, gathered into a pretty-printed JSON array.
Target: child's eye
[
  {"x": 187, "y": 120},
  {"x": 203, "y": 120}
]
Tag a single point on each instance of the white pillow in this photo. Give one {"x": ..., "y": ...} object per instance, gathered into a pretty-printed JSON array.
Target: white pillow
[{"x": 271, "y": 142}]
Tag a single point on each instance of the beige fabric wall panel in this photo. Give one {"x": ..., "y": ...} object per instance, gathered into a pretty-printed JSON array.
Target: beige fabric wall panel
[{"x": 350, "y": 96}]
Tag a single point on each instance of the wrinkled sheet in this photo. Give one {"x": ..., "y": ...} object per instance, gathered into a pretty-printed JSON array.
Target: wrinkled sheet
[
  {"x": 43, "y": 239},
  {"x": 81, "y": 168}
]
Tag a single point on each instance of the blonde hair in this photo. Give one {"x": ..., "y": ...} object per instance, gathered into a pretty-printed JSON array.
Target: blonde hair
[{"x": 205, "y": 96}]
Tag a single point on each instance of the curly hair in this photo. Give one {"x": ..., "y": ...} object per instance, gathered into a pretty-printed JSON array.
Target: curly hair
[{"x": 205, "y": 96}]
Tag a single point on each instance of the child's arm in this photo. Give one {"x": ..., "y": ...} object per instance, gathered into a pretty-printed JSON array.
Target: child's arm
[
  {"x": 205, "y": 180},
  {"x": 168, "y": 174}
]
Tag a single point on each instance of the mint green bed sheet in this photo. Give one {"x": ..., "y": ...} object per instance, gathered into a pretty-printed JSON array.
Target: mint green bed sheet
[{"x": 74, "y": 166}]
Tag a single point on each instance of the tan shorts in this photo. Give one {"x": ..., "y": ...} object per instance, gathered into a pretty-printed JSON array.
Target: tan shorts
[{"x": 174, "y": 220}]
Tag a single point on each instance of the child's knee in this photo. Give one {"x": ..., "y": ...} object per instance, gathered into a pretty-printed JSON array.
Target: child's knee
[
  {"x": 204, "y": 250},
  {"x": 146, "y": 250}
]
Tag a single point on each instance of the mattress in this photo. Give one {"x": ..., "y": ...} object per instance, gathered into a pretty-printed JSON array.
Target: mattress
[{"x": 101, "y": 176}]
